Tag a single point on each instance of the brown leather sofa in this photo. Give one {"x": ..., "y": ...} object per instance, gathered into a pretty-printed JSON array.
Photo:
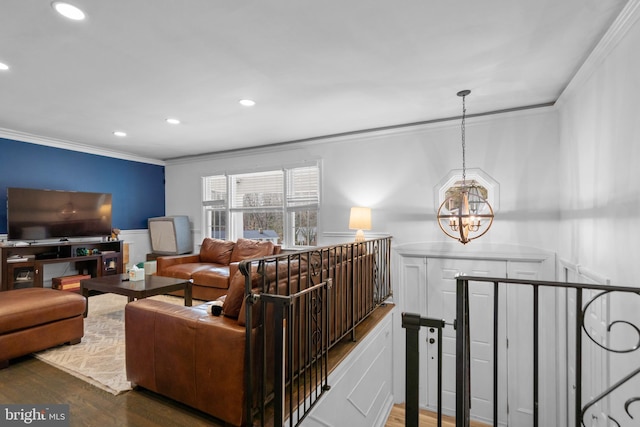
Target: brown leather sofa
[
  {"x": 213, "y": 267},
  {"x": 34, "y": 319},
  {"x": 189, "y": 355}
]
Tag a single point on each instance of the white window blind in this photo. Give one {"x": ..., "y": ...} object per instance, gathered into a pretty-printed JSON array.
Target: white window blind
[
  {"x": 215, "y": 191},
  {"x": 258, "y": 190},
  {"x": 303, "y": 187}
]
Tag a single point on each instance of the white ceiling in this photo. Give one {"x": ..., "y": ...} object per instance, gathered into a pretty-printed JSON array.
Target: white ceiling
[{"x": 314, "y": 67}]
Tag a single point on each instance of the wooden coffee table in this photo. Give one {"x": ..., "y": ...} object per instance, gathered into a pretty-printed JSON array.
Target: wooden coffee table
[{"x": 135, "y": 289}]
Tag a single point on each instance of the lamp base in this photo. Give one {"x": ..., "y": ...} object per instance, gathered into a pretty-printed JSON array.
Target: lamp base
[{"x": 359, "y": 236}]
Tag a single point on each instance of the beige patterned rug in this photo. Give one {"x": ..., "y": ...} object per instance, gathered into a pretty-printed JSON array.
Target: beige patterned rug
[{"x": 99, "y": 358}]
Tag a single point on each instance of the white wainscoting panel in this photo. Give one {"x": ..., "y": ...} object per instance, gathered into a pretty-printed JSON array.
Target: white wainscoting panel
[{"x": 361, "y": 386}]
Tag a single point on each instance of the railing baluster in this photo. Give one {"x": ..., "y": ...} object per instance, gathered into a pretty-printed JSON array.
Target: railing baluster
[
  {"x": 578, "y": 379},
  {"x": 279, "y": 380},
  {"x": 536, "y": 360},
  {"x": 412, "y": 367},
  {"x": 462, "y": 353},
  {"x": 495, "y": 352}
]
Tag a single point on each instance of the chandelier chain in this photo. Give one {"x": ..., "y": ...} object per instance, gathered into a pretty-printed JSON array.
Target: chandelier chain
[{"x": 464, "y": 163}]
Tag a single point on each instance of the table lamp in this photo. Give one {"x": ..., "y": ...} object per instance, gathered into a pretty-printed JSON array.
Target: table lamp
[{"x": 360, "y": 219}]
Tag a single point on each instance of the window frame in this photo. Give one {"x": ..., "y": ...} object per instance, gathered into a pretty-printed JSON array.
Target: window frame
[{"x": 288, "y": 208}]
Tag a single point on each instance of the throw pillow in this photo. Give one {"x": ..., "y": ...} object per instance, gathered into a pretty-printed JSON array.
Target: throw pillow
[
  {"x": 235, "y": 296},
  {"x": 247, "y": 249},
  {"x": 216, "y": 251}
]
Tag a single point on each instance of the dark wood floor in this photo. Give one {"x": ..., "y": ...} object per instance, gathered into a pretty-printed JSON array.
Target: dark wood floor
[{"x": 30, "y": 381}]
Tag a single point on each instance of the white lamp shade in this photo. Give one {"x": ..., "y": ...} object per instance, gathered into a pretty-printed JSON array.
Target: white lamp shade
[{"x": 360, "y": 218}]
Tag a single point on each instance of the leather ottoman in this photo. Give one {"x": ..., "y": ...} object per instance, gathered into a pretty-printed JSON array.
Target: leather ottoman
[{"x": 34, "y": 319}]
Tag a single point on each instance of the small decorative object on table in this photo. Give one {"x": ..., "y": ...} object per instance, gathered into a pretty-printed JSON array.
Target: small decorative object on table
[
  {"x": 136, "y": 273},
  {"x": 115, "y": 232}
]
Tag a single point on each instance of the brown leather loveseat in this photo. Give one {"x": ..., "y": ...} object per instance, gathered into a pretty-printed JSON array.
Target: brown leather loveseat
[{"x": 213, "y": 267}]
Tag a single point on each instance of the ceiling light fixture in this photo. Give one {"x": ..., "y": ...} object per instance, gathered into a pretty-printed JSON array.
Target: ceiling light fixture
[
  {"x": 120, "y": 133},
  {"x": 247, "y": 102},
  {"x": 465, "y": 214},
  {"x": 68, "y": 10},
  {"x": 3, "y": 66},
  {"x": 173, "y": 121}
]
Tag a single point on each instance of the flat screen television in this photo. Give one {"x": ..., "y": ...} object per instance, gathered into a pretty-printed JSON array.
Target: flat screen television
[
  {"x": 34, "y": 214},
  {"x": 170, "y": 235}
]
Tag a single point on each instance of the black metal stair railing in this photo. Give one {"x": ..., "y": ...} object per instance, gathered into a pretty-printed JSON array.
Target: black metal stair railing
[
  {"x": 303, "y": 379},
  {"x": 580, "y": 409},
  {"x": 289, "y": 288}
]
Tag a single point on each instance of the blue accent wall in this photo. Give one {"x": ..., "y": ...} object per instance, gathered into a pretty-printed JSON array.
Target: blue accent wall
[{"x": 137, "y": 188}]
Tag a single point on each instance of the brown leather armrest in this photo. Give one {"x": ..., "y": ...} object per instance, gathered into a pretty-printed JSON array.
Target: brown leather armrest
[{"x": 167, "y": 261}]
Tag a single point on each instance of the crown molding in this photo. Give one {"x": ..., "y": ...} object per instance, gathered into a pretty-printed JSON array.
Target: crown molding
[
  {"x": 381, "y": 132},
  {"x": 74, "y": 146},
  {"x": 620, "y": 27}
]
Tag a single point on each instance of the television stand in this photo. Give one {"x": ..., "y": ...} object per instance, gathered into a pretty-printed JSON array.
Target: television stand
[{"x": 23, "y": 266}]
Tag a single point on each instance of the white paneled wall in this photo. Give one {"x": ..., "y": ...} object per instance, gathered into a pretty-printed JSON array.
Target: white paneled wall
[{"x": 361, "y": 386}]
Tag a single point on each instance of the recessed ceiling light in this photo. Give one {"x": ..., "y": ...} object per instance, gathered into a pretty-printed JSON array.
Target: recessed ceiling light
[
  {"x": 173, "y": 121},
  {"x": 3, "y": 66},
  {"x": 120, "y": 133},
  {"x": 68, "y": 10},
  {"x": 247, "y": 102}
]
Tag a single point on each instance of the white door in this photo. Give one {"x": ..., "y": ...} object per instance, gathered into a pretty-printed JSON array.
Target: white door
[{"x": 441, "y": 304}]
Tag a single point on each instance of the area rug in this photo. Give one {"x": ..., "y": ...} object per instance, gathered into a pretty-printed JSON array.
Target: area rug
[{"x": 99, "y": 358}]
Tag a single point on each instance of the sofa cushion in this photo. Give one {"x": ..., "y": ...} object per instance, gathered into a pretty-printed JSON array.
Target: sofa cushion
[
  {"x": 213, "y": 276},
  {"x": 216, "y": 251},
  {"x": 247, "y": 249},
  {"x": 186, "y": 270},
  {"x": 25, "y": 308}
]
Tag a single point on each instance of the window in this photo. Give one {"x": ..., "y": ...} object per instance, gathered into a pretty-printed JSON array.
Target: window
[
  {"x": 488, "y": 187},
  {"x": 278, "y": 205}
]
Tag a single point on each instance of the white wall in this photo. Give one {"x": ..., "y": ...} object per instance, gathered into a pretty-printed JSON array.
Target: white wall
[
  {"x": 600, "y": 154},
  {"x": 600, "y": 182},
  {"x": 395, "y": 173},
  {"x": 139, "y": 245}
]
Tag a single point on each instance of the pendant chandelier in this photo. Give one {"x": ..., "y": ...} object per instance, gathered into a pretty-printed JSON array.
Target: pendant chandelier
[{"x": 465, "y": 214}]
